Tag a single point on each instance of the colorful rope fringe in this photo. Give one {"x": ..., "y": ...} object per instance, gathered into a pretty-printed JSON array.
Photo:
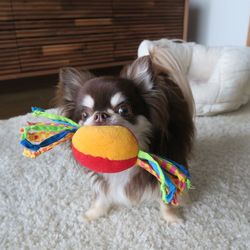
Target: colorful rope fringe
[
  {"x": 173, "y": 177},
  {"x": 40, "y": 137}
]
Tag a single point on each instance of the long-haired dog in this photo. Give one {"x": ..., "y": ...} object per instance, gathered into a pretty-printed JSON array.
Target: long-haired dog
[{"x": 150, "y": 97}]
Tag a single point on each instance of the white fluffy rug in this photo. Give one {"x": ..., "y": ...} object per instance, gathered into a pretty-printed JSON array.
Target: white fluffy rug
[{"x": 42, "y": 199}]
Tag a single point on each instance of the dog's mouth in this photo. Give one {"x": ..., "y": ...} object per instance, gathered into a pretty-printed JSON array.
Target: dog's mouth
[
  {"x": 111, "y": 123},
  {"x": 100, "y": 124}
]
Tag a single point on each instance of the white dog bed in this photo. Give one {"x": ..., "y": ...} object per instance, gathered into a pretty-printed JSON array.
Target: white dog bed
[
  {"x": 219, "y": 76},
  {"x": 41, "y": 199}
]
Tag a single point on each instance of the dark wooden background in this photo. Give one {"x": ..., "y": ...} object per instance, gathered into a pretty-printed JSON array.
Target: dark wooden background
[{"x": 40, "y": 36}]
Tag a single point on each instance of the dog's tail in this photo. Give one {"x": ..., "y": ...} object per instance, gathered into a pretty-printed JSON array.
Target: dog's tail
[{"x": 166, "y": 61}]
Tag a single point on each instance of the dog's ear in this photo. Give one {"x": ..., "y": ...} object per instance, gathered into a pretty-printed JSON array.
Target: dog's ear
[
  {"x": 70, "y": 81},
  {"x": 140, "y": 72}
]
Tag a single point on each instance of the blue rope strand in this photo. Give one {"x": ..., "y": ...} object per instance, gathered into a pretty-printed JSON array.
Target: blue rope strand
[{"x": 46, "y": 142}]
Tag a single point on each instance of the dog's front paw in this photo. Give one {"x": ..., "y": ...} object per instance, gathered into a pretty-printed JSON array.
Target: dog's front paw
[
  {"x": 92, "y": 214},
  {"x": 172, "y": 217},
  {"x": 171, "y": 214},
  {"x": 99, "y": 208}
]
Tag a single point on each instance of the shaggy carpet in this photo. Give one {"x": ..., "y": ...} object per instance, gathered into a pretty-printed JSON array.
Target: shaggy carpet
[{"x": 42, "y": 199}]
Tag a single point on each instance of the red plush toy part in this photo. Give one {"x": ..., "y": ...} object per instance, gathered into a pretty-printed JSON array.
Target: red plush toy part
[{"x": 105, "y": 149}]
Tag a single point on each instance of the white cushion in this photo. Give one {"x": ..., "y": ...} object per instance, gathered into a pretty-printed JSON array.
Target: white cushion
[{"x": 219, "y": 77}]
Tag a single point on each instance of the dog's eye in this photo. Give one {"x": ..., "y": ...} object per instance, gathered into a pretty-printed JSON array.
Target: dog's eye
[
  {"x": 85, "y": 115},
  {"x": 123, "y": 110}
]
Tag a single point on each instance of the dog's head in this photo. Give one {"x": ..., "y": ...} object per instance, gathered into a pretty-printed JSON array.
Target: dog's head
[{"x": 122, "y": 100}]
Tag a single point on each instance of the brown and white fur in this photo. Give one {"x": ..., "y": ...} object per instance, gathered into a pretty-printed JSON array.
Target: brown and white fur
[{"x": 152, "y": 98}]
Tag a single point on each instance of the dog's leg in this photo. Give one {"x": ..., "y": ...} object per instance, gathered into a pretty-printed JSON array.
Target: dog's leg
[
  {"x": 170, "y": 213},
  {"x": 184, "y": 199},
  {"x": 100, "y": 207}
]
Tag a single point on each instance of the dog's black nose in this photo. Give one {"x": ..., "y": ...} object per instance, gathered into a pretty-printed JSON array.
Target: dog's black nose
[{"x": 101, "y": 116}]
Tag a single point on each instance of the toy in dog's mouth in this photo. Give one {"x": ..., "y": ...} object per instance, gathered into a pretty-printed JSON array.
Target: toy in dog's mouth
[{"x": 104, "y": 149}]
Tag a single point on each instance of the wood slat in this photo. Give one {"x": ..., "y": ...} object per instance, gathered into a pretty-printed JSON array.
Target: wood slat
[
  {"x": 72, "y": 23},
  {"x": 52, "y": 57},
  {"x": 153, "y": 12},
  {"x": 7, "y": 25},
  {"x": 7, "y": 53},
  {"x": 53, "y": 54},
  {"x": 93, "y": 21},
  {"x": 65, "y": 62},
  {"x": 37, "y": 51},
  {"x": 59, "y": 49},
  {"x": 6, "y": 74},
  {"x": 62, "y": 32},
  {"x": 8, "y": 44},
  {"x": 69, "y": 3},
  {"x": 141, "y": 36},
  {"x": 55, "y": 71},
  {"x": 130, "y": 31},
  {"x": 53, "y": 15},
  {"x": 142, "y": 14},
  {"x": 25, "y": 42}
]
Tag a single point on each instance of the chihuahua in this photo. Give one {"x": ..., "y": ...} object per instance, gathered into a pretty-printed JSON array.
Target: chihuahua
[{"x": 151, "y": 97}]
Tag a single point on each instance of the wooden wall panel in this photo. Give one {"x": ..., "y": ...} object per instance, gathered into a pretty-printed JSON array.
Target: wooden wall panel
[
  {"x": 53, "y": 34},
  {"x": 9, "y": 61},
  {"x": 6, "y": 13},
  {"x": 139, "y": 20},
  {"x": 40, "y": 36},
  {"x": 60, "y": 9}
]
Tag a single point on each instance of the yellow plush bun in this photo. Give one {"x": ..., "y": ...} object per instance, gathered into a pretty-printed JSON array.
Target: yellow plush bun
[{"x": 105, "y": 148}]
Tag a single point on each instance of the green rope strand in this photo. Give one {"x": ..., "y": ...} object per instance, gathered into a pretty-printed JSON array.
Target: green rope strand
[
  {"x": 47, "y": 128},
  {"x": 148, "y": 157},
  {"x": 55, "y": 117}
]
